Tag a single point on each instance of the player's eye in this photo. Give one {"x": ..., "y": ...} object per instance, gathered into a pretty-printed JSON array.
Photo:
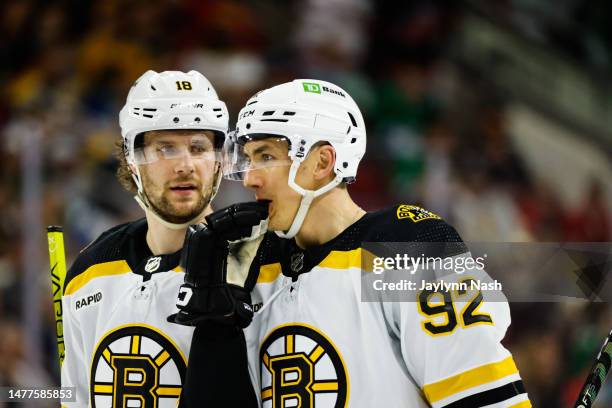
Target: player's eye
[
  {"x": 166, "y": 150},
  {"x": 198, "y": 149},
  {"x": 267, "y": 157}
]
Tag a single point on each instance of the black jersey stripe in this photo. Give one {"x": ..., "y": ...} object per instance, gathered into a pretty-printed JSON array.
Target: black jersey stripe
[{"x": 491, "y": 396}]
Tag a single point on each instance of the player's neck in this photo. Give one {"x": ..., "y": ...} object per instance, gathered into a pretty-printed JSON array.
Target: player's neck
[
  {"x": 327, "y": 217},
  {"x": 163, "y": 240}
]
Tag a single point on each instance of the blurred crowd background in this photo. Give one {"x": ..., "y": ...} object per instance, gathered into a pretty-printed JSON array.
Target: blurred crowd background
[{"x": 495, "y": 115}]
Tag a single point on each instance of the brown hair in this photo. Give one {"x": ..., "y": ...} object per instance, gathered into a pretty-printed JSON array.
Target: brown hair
[{"x": 124, "y": 174}]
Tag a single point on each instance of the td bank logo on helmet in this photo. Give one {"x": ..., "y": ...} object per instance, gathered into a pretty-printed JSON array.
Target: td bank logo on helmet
[{"x": 313, "y": 87}]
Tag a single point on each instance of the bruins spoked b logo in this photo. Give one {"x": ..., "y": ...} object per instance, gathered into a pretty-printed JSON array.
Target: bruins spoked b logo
[
  {"x": 301, "y": 368},
  {"x": 136, "y": 366}
]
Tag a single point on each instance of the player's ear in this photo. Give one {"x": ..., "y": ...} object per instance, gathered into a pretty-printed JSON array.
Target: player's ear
[{"x": 325, "y": 162}]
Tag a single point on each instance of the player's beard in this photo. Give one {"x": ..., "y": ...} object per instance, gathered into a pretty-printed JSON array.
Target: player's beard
[{"x": 165, "y": 208}]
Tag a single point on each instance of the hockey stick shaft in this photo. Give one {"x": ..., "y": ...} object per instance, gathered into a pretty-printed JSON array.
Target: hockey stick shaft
[
  {"x": 57, "y": 260},
  {"x": 596, "y": 378}
]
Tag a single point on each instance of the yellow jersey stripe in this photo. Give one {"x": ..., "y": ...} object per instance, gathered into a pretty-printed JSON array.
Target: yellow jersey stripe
[
  {"x": 269, "y": 273},
  {"x": 266, "y": 394},
  {"x": 342, "y": 259},
  {"x": 469, "y": 379},
  {"x": 523, "y": 404},
  {"x": 356, "y": 258},
  {"x": 97, "y": 271}
]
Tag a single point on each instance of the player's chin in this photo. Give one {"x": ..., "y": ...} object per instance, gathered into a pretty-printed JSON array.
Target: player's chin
[
  {"x": 184, "y": 206},
  {"x": 180, "y": 215}
]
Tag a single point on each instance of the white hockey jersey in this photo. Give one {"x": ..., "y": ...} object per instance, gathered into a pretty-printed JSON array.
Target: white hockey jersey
[
  {"x": 120, "y": 350},
  {"x": 315, "y": 343}
]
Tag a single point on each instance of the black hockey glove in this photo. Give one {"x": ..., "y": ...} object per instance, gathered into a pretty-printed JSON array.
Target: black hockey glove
[{"x": 206, "y": 294}]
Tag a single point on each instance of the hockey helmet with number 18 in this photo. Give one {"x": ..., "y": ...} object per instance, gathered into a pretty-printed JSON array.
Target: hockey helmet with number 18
[
  {"x": 304, "y": 112},
  {"x": 170, "y": 100}
]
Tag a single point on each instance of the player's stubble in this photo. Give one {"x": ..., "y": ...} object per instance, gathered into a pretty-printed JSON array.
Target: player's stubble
[{"x": 159, "y": 198}]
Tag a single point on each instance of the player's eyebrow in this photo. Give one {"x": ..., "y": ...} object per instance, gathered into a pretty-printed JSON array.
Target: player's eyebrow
[
  {"x": 171, "y": 140},
  {"x": 259, "y": 150}
]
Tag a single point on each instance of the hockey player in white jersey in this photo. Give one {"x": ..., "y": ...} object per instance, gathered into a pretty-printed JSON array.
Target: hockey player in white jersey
[
  {"x": 120, "y": 350},
  {"x": 314, "y": 341}
]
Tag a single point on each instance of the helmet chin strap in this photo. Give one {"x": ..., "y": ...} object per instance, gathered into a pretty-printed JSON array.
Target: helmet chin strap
[
  {"x": 144, "y": 203},
  {"x": 307, "y": 197}
]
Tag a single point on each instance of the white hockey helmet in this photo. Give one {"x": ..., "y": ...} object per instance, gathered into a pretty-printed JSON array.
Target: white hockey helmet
[
  {"x": 304, "y": 112},
  {"x": 165, "y": 101}
]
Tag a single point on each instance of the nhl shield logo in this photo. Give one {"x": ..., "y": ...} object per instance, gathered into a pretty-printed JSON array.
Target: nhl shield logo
[
  {"x": 297, "y": 262},
  {"x": 152, "y": 264}
]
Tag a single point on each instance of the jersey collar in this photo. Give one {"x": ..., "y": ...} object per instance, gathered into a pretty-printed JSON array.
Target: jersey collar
[
  {"x": 140, "y": 258},
  {"x": 296, "y": 260}
]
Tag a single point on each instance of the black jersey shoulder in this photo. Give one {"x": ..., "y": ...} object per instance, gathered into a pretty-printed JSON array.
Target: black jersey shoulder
[
  {"x": 407, "y": 223},
  {"x": 407, "y": 227},
  {"x": 107, "y": 247},
  {"x": 411, "y": 229}
]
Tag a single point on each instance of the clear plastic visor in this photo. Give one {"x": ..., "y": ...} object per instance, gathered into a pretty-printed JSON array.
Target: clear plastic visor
[
  {"x": 194, "y": 147},
  {"x": 240, "y": 158}
]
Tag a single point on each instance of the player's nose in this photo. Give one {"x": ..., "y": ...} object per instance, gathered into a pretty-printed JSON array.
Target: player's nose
[
  {"x": 252, "y": 179},
  {"x": 184, "y": 164}
]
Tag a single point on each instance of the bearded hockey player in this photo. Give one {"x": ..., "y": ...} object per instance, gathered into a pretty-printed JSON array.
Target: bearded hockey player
[
  {"x": 314, "y": 341},
  {"x": 120, "y": 350}
]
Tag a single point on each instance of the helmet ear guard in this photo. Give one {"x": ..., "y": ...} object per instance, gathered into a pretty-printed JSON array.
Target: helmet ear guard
[
  {"x": 170, "y": 100},
  {"x": 306, "y": 112}
]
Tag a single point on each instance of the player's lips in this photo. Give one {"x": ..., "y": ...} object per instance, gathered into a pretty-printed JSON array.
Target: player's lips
[{"x": 183, "y": 188}]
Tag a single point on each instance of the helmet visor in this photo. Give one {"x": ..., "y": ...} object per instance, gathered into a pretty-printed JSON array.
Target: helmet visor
[
  {"x": 241, "y": 157},
  {"x": 197, "y": 147}
]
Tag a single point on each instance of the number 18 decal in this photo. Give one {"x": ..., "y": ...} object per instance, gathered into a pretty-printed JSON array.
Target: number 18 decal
[{"x": 183, "y": 86}]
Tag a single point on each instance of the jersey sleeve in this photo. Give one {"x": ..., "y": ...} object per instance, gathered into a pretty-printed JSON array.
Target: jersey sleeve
[
  {"x": 458, "y": 365},
  {"x": 74, "y": 368},
  {"x": 450, "y": 329}
]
